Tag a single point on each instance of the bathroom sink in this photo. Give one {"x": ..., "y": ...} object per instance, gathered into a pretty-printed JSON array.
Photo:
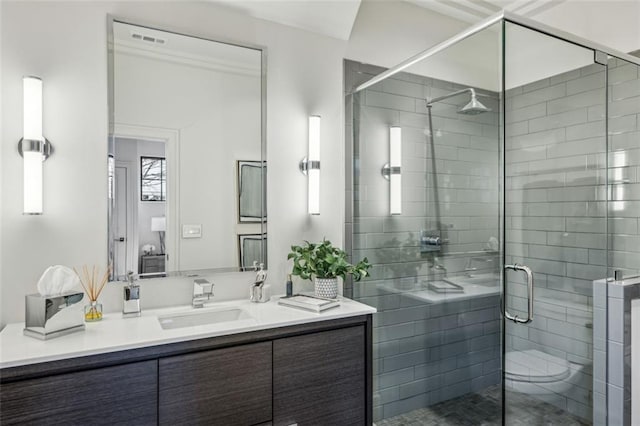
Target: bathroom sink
[
  {"x": 202, "y": 317},
  {"x": 487, "y": 280}
]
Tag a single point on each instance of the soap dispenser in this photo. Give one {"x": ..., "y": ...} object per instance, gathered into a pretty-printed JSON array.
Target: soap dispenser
[{"x": 131, "y": 301}]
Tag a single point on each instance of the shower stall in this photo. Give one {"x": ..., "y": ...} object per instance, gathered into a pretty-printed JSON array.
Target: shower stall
[{"x": 491, "y": 179}]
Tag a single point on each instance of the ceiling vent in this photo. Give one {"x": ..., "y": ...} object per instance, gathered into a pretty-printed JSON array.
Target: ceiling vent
[{"x": 148, "y": 38}]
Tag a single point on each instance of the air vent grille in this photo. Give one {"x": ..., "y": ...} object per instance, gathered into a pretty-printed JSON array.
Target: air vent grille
[{"x": 148, "y": 39}]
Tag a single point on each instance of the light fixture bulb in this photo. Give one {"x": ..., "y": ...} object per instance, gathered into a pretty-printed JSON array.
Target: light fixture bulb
[
  {"x": 32, "y": 116},
  {"x": 395, "y": 176},
  {"x": 33, "y": 146},
  {"x": 32, "y": 182},
  {"x": 313, "y": 171}
]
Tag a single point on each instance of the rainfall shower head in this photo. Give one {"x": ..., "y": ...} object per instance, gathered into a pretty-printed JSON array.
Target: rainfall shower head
[{"x": 474, "y": 106}]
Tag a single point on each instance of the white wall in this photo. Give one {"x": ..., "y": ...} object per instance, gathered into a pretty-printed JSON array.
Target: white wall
[
  {"x": 65, "y": 43},
  {"x": 388, "y": 32},
  {"x": 542, "y": 58},
  {"x": 609, "y": 22}
]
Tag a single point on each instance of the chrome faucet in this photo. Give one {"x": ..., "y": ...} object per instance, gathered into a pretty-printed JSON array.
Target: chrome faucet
[
  {"x": 438, "y": 265},
  {"x": 468, "y": 269},
  {"x": 131, "y": 301},
  {"x": 202, "y": 292}
]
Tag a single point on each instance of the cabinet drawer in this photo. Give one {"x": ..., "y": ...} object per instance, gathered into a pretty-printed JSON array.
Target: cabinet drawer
[
  {"x": 230, "y": 386},
  {"x": 320, "y": 378},
  {"x": 125, "y": 394}
]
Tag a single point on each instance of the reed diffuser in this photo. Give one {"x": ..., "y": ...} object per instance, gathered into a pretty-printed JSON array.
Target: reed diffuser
[{"x": 92, "y": 287}]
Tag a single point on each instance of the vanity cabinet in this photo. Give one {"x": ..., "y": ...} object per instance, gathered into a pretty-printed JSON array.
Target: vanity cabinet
[
  {"x": 308, "y": 374},
  {"x": 229, "y": 386},
  {"x": 123, "y": 394},
  {"x": 318, "y": 378}
]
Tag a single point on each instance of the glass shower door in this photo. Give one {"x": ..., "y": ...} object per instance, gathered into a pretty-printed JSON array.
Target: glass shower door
[
  {"x": 619, "y": 392},
  {"x": 435, "y": 281},
  {"x": 555, "y": 225}
]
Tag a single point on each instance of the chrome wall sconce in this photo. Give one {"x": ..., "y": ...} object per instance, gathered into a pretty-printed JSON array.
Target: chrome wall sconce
[
  {"x": 33, "y": 147},
  {"x": 392, "y": 171},
  {"x": 310, "y": 166}
]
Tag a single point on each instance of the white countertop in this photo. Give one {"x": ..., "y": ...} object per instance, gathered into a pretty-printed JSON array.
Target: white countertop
[{"x": 115, "y": 333}]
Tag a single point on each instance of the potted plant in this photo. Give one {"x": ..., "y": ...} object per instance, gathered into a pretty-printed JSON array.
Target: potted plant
[{"x": 324, "y": 263}]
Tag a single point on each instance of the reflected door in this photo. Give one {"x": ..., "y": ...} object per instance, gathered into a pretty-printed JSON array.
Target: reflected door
[
  {"x": 555, "y": 225},
  {"x": 122, "y": 228}
]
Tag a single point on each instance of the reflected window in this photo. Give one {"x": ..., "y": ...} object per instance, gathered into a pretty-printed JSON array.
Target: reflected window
[{"x": 153, "y": 179}]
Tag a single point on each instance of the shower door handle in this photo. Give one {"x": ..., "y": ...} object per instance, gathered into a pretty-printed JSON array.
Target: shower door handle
[{"x": 529, "y": 317}]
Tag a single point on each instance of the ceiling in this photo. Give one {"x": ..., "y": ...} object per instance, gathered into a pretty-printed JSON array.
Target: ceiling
[
  {"x": 333, "y": 18},
  {"x": 473, "y": 11},
  {"x": 589, "y": 19}
]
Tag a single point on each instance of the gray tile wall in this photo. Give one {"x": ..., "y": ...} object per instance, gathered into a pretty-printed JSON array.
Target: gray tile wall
[{"x": 424, "y": 352}]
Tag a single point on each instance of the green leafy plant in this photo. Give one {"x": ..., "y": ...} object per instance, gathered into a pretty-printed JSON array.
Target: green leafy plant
[{"x": 323, "y": 260}]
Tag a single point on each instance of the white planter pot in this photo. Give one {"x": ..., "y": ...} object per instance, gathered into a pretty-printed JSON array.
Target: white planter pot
[{"x": 326, "y": 287}]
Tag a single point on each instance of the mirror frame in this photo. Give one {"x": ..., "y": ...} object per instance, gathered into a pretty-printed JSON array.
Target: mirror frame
[{"x": 111, "y": 19}]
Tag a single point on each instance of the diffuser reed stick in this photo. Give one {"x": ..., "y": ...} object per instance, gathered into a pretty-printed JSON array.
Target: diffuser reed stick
[{"x": 93, "y": 287}]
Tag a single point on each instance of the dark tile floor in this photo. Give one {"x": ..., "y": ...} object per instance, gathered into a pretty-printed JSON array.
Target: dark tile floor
[{"x": 484, "y": 409}]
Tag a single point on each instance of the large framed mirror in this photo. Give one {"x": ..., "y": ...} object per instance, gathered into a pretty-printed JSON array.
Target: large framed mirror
[{"x": 186, "y": 158}]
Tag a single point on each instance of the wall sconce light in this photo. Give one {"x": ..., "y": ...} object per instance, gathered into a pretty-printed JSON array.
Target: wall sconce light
[
  {"x": 310, "y": 166},
  {"x": 33, "y": 147},
  {"x": 392, "y": 171}
]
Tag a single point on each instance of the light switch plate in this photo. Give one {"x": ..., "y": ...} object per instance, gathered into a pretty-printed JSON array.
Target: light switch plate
[{"x": 191, "y": 231}]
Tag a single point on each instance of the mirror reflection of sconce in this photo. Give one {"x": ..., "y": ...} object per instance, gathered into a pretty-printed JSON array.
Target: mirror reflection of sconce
[
  {"x": 33, "y": 147},
  {"x": 310, "y": 166},
  {"x": 392, "y": 171}
]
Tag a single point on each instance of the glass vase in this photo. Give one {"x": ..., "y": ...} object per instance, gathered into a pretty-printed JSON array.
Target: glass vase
[{"x": 93, "y": 312}]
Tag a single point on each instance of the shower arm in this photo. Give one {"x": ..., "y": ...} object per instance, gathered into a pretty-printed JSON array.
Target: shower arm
[{"x": 450, "y": 95}]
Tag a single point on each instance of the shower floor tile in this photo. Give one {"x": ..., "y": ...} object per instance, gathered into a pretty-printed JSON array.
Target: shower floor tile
[{"x": 483, "y": 409}]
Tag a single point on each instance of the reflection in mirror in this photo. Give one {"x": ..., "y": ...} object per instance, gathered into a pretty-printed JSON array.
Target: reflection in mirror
[
  {"x": 251, "y": 247},
  {"x": 187, "y": 187},
  {"x": 251, "y": 174},
  {"x": 153, "y": 179}
]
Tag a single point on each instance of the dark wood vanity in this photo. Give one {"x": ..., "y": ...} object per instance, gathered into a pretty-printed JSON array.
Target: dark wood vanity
[{"x": 317, "y": 373}]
